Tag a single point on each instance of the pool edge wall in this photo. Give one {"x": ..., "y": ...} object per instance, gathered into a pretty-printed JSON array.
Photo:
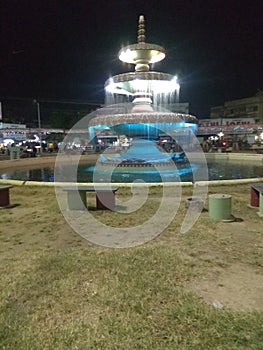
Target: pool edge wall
[{"x": 130, "y": 184}]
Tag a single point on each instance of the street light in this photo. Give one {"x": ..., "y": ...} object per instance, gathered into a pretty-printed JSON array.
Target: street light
[
  {"x": 38, "y": 116},
  {"x": 39, "y": 123}
]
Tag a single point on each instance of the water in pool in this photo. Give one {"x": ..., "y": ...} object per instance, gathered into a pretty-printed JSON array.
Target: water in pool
[{"x": 218, "y": 170}]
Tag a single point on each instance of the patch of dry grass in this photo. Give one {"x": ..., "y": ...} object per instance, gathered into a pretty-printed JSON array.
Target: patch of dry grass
[{"x": 60, "y": 292}]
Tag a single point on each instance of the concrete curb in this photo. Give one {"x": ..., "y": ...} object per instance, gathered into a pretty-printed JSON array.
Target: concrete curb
[
  {"x": 235, "y": 156},
  {"x": 228, "y": 182},
  {"x": 31, "y": 163},
  {"x": 120, "y": 184},
  {"x": 12, "y": 182}
]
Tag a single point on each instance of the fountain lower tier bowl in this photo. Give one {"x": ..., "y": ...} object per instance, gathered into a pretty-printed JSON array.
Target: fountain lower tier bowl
[
  {"x": 143, "y": 118},
  {"x": 137, "y": 167},
  {"x": 143, "y": 155}
]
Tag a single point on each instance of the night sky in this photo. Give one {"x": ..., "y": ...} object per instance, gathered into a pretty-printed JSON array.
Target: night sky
[{"x": 68, "y": 49}]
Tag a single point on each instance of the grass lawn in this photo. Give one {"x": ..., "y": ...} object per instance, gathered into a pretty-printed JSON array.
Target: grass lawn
[{"x": 58, "y": 291}]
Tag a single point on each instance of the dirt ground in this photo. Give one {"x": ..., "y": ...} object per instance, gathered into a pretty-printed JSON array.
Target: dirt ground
[
  {"x": 238, "y": 287},
  {"x": 236, "y": 282}
]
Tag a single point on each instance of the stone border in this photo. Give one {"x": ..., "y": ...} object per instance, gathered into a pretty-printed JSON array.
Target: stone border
[
  {"x": 128, "y": 184},
  {"x": 258, "y": 157}
]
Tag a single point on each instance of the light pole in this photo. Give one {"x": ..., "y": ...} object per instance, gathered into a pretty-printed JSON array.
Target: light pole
[
  {"x": 39, "y": 123},
  {"x": 38, "y": 116}
]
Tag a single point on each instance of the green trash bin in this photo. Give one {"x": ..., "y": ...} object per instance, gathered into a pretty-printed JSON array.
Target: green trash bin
[{"x": 220, "y": 207}]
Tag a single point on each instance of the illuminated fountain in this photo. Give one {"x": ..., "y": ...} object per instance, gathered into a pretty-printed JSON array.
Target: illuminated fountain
[{"x": 137, "y": 106}]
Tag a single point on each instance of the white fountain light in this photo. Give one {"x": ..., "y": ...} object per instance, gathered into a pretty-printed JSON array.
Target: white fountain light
[
  {"x": 155, "y": 86},
  {"x": 156, "y": 56},
  {"x": 142, "y": 85},
  {"x": 128, "y": 56},
  {"x": 134, "y": 56},
  {"x": 116, "y": 88}
]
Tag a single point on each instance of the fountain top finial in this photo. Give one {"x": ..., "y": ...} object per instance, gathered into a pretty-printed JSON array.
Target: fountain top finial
[
  {"x": 141, "y": 30},
  {"x": 142, "y": 54}
]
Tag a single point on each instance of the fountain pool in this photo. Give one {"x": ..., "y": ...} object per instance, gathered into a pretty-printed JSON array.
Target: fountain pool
[{"x": 217, "y": 170}]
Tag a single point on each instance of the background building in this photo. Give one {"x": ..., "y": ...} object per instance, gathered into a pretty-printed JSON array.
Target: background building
[
  {"x": 237, "y": 122},
  {"x": 249, "y": 107},
  {"x": 180, "y": 107}
]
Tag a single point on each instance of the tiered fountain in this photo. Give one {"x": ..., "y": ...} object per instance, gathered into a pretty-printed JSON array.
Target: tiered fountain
[{"x": 136, "y": 106}]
